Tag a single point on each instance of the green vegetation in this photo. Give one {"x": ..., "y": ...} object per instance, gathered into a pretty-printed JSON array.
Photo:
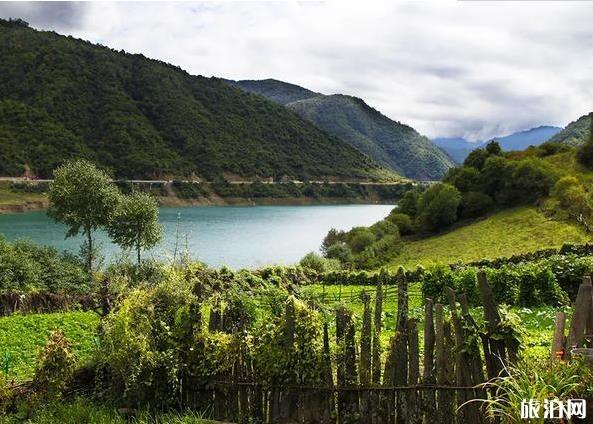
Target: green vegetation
[
  {"x": 505, "y": 233},
  {"x": 143, "y": 118},
  {"x": 22, "y": 338},
  {"x": 389, "y": 143},
  {"x": 86, "y": 199},
  {"x": 82, "y": 197},
  {"x": 135, "y": 223},
  {"x": 576, "y": 133}
]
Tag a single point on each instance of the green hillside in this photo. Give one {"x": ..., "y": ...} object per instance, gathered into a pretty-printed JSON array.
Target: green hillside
[
  {"x": 388, "y": 142},
  {"x": 575, "y": 133},
  {"x": 61, "y": 97},
  {"x": 506, "y": 233}
]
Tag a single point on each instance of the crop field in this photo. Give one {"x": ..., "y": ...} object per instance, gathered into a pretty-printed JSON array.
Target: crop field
[{"x": 23, "y": 336}]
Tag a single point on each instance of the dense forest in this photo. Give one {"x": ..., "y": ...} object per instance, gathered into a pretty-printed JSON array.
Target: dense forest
[
  {"x": 61, "y": 97},
  {"x": 390, "y": 143}
]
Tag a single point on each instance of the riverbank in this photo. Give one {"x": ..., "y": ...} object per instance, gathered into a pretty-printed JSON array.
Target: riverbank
[{"x": 29, "y": 196}]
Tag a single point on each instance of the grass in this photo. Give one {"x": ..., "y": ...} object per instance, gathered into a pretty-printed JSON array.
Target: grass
[
  {"x": 505, "y": 233},
  {"x": 10, "y": 198},
  {"x": 23, "y": 336},
  {"x": 82, "y": 411}
]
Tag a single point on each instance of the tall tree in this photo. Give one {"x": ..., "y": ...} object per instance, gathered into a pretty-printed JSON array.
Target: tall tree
[
  {"x": 135, "y": 223},
  {"x": 82, "y": 197}
]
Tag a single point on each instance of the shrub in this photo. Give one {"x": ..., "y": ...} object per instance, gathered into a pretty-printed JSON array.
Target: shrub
[
  {"x": 55, "y": 366},
  {"x": 463, "y": 178},
  {"x": 475, "y": 204},
  {"x": 359, "y": 238},
  {"x": 341, "y": 252},
  {"x": 318, "y": 263},
  {"x": 438, "y": 206},
  {"x": 384, "y": 228},
  {"x": 434, "y": 281},
  {"x": 409, "y": 203},
  {"x": 402, "y": 221}
]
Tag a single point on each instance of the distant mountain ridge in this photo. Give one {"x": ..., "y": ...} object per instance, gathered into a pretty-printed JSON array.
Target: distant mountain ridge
[
  {"x": 61, "y": 97},
  {"x": 458, "y": 148},
  {"x": 388, "y": 142}
]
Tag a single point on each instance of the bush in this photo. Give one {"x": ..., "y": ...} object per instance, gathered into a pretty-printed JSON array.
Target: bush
[
  {"x": 438, "y": 206},
  {"x": 475, "y": 204},
  {"x": 359, "y": 238},
  {"x": 318, "y": 263},
  {"x": 402, "y": 221},
  {"x": 463, "y": 178},
  {"x": 409, "y": 203},
  {"x": 55, "y": 366},
  {"x": 341, "y": 252},
  {"x": 384, "y": 228}
]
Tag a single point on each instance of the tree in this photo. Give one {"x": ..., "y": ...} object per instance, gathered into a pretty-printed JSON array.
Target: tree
[
  {"x": 475, "y": 204},
  {"x": 135, "y": 223},
  {"x": 476, "y": 158},
  {"x": 585, "y": 152},
  {"x": 464, "y": 178},
  {"x": 409, "y": 203},
  {"x": 438, "y": 207},
  {"x": 493, "y": 148},
  {"x": 82, "y": 197}
]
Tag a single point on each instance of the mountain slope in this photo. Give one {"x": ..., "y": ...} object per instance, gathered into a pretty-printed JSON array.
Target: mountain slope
[
  {"x": 576, "y": 133},
  {"x": 278, "y": 91},
  {"x": 458, "y": 148},
  {"x": 390, "y": 143},
  {"x": 143, "y": 118}
]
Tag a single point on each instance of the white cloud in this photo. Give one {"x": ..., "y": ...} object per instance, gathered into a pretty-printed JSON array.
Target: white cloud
[{"x": 473, "y": 69}]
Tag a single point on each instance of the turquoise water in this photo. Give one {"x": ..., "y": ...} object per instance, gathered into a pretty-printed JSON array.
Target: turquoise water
[{"x": 239, "y": 237}]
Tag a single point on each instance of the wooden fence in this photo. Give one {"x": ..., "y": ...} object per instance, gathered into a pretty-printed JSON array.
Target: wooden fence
[{"x": 364, "y": 383}]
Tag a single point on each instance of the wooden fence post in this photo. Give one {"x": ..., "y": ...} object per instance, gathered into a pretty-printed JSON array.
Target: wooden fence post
[
  {"x": 444, "y": 400},
  {"x": 414, "y": 416},
  {"x": 428, "y": 398},
  {"x": 558, "y": 346},
  {"x": 376, "y": 360},
  {"x": 580, "y": 317},
  {"x": 494, "y": 349},
  {"x": 400, "y": 376}
]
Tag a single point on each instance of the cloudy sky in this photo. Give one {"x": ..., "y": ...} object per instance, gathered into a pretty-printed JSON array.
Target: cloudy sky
[{"x": 472, "y": 69}]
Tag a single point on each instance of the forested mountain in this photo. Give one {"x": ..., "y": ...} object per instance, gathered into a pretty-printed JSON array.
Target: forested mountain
[
  {"x": 577, "y": 132},
  {"x": 388, "y": 142},
  {"x": 458, "y": 148},
  {"x": 61, "y": 97}
]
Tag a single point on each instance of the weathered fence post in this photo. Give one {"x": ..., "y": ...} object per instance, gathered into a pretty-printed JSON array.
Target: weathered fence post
[
  {"x": 428, "y": 374},
  {"x": 462, "y": 365},
  {"x": 494, "y": 349},
  {"x": 580, "y": 316},
  {"x": 558, "y": 342},
  {"x": 443, "y": 358},
  {"x": 414, "y": 415},
  {"x": 365, "y": 356},
  {"x": 400, "y": 376},
  {"x": 376, "y": 397}
]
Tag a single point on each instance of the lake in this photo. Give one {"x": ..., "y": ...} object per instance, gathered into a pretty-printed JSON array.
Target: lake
[{"x": 236, "y": 236}]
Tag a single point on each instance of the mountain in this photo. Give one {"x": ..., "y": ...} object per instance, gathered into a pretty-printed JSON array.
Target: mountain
[
  {"x": 62, "y": 97},
  {"x": 388, "y": 142},
  {"x": 523, "y": 139},
  {"x": 458, "y": 148},
  {"x": 577, "y": 132}
]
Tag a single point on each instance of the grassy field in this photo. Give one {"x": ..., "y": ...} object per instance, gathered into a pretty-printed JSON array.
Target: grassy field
[
  {"x": 23, "y": 336},
  {"x": 505, "y": 233}
]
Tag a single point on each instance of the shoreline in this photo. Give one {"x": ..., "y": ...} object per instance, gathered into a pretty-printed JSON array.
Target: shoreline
[{"x": 174, "y": 201}]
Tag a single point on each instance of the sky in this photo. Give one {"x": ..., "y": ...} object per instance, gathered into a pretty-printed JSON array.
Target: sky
[{"x": 470, "y": 69}]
